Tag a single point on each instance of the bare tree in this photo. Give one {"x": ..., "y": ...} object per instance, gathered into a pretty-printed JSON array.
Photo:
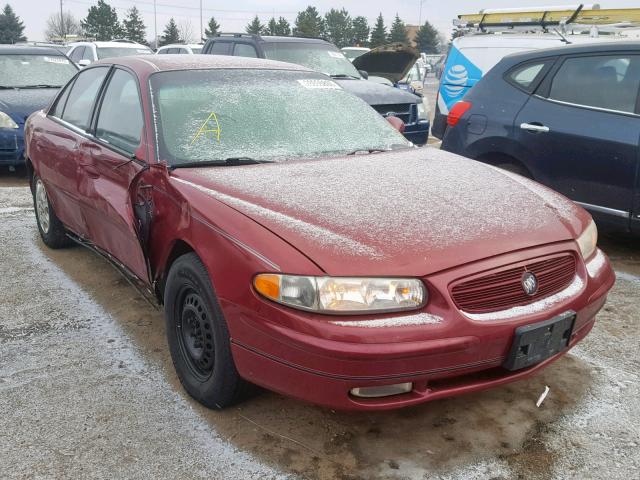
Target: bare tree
[
  {"x": 60, "y": 27},
  {"x": 186, "y": 31}
]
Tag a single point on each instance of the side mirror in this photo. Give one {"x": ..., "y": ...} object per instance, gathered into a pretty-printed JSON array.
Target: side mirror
[
  {"x": 84, "y": 62},
  {"x": 364, "y": 74},
  {"x": 396, "y": 123}
]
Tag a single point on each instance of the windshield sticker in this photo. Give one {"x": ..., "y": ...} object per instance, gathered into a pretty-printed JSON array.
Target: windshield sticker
[
  {"x": 208, "y": 128},
  {"x": 335, "y": 54},
  {"x": 319, "y": 84},
  {"x": 60, "y": 60}
]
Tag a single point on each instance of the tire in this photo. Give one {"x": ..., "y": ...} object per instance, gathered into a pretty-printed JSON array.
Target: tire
[
  {"x": 515, "y": 168},
  {"x": 51, "y": 230},
  {"x": 198, "y": 336}
]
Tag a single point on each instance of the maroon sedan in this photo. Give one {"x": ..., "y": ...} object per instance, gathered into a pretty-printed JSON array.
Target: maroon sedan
[{"x": 297, "y": 241}]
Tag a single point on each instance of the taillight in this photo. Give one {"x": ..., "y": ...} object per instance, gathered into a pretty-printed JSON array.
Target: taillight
[{"x": 456, "y": 113}]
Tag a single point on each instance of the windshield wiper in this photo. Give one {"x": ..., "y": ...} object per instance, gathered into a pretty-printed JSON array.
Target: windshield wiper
[
  {"x": 364, "y": 151},
  {"x": 344, "y": 75},
  {"x": 227, "y": 162},
  {"x": 42, "y": 85}
]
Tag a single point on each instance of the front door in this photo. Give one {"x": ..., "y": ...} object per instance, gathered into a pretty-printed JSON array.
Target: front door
[
  {"x": 111, "y": 172},
  {"x": 579, "y": 133}
]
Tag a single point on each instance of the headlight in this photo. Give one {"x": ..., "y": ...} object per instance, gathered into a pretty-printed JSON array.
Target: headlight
[
  {"x": 423, "y": 110},
  {"x": 6, "y": 121},
  {"x": 334, "y": 295},
  {"x": 588, "y": 240}
]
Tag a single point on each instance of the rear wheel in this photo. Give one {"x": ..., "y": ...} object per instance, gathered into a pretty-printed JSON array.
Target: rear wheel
[
  {"x": 198, "y": 336},
  {"x": 50, "y": 227}
]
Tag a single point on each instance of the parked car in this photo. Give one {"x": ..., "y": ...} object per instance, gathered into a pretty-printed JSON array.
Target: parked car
[
  {"x": 565, "y": 117},
  {"x": 326, "y": 58},
  {"x": 472, "y": 56},
  {"x": 29, "y": 79},
  {"x": 299, "y": 242},
  {"x": 85, "y": 53},
  {"x": 180, "y": 48}
]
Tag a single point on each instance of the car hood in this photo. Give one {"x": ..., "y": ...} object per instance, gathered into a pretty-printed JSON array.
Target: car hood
[
  {"x": 409, "y": 212},
  {"x": 392, "y": 62},
  {"x": 377, "y": 94},
  {"x": 19, "y": 104}
]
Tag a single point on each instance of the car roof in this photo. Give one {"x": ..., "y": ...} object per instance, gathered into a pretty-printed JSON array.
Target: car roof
[
  {"x": 267, "y": 38},
  {"x": 158, "y": 63},
  {"x": 109, "y": 44},
  {"x": 518, "y": 40},
  {"x": 573, "y": 49},
  {"x": 179, "y": 45},
  {"x": 28, "y": 50}
]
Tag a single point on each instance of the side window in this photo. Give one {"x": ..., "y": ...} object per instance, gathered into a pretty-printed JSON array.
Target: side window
[
  {"x": 606, "y": 81},
  {"x": 88, "y": 54},
  {"x": 120, "y": 120},
  {"x": 82, "y": 97},
  {"x": 525, "y": 76},
  {"x": 244, "y": 50},
  {"x": 58, "y": 108},
  {"x": 77, "y": 53},
  {"x": 162, "y": 52},
  {"x": 220, "y": 48}
]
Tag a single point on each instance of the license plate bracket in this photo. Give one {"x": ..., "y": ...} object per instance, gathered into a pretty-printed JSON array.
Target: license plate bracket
[{"x": 537, "y": 342}]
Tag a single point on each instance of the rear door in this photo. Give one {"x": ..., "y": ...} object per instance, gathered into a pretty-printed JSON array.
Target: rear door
[
  {"x": 116, "y": 150},
  {"x": 579, "y": 133}
]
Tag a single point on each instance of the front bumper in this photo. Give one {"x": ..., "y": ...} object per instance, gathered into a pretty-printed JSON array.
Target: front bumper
[
  {"x": 315, "y": 360},
  {"x": 11, "y": 147}
]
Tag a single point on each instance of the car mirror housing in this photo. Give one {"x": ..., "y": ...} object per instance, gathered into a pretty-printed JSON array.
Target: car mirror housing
[
  {"x": 364, "y": 74},
  {"x": 84, "y": 63},
  {"x": 396, "y": 123}
]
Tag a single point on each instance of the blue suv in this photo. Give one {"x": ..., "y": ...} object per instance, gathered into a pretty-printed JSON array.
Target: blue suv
[{"x": 566, "y": 117}]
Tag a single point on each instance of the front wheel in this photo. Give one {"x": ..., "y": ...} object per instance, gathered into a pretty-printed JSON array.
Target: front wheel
[
  {"x": 50, "y": 227},
  {"x": 198, "y": 336}
]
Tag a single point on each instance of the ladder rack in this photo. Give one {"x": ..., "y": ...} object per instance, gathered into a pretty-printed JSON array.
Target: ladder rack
[{"x": 545, "y": 17}]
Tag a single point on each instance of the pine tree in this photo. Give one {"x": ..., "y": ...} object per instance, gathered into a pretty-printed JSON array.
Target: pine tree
[
  {"x": 284, "y": 27},
  {"x": 102, "y": 22},
  {"x": 309, "y": 23},
  {"x": 361, "y": 31},
  {"x": 379, "y": 34},
  {"x": 339, "y": 27},
  {"x": 280, "y": 27},
  {"x": 171, "y": 33},
  {"x": 11, "y": 27},
  {"x": 428, "y": 39},
  {"x": 133, "y": 26},
  {"x": 212, "y": 29},
  {"x": 256, "y": 27},
  {"x": 398, "y": 32}
]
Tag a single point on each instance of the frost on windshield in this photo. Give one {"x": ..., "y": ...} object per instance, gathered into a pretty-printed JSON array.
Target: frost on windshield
[{"x": 262, "y": 114}]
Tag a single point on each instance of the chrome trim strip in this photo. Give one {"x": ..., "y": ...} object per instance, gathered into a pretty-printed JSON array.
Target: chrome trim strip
[
  {"x": 606, "y": 210},
  {"x": 589, "y": 107}
]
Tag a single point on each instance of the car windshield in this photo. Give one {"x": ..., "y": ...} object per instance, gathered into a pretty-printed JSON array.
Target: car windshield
[
  {"x": 35, "y": 70},
  {"x": 262, "y": 115},
  {"x": 110, "y": 52},
  {"x": 321, "y": 57},
  {"x": 414, "y": 75}
]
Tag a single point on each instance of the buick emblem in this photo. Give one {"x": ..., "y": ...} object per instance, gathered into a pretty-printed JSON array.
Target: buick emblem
[{"x": 529, "y": 283}]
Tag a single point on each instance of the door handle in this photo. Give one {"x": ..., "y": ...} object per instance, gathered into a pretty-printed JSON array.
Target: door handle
[{"x": 534, "y": 128}]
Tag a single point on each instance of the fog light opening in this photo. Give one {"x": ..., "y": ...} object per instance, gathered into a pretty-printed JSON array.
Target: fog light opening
[{"x": 382, "y": 390}]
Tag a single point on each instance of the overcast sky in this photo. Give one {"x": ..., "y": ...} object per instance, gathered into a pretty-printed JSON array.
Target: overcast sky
[{"x": 235, "y": 15}]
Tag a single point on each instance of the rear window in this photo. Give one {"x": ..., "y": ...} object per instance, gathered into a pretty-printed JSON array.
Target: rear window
[
  {"x": 35, "y": 70},
  {"x": 526, "y": 76},
  {"x": 606, "y": 81},
  {"x": 110, "y": 52}
]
